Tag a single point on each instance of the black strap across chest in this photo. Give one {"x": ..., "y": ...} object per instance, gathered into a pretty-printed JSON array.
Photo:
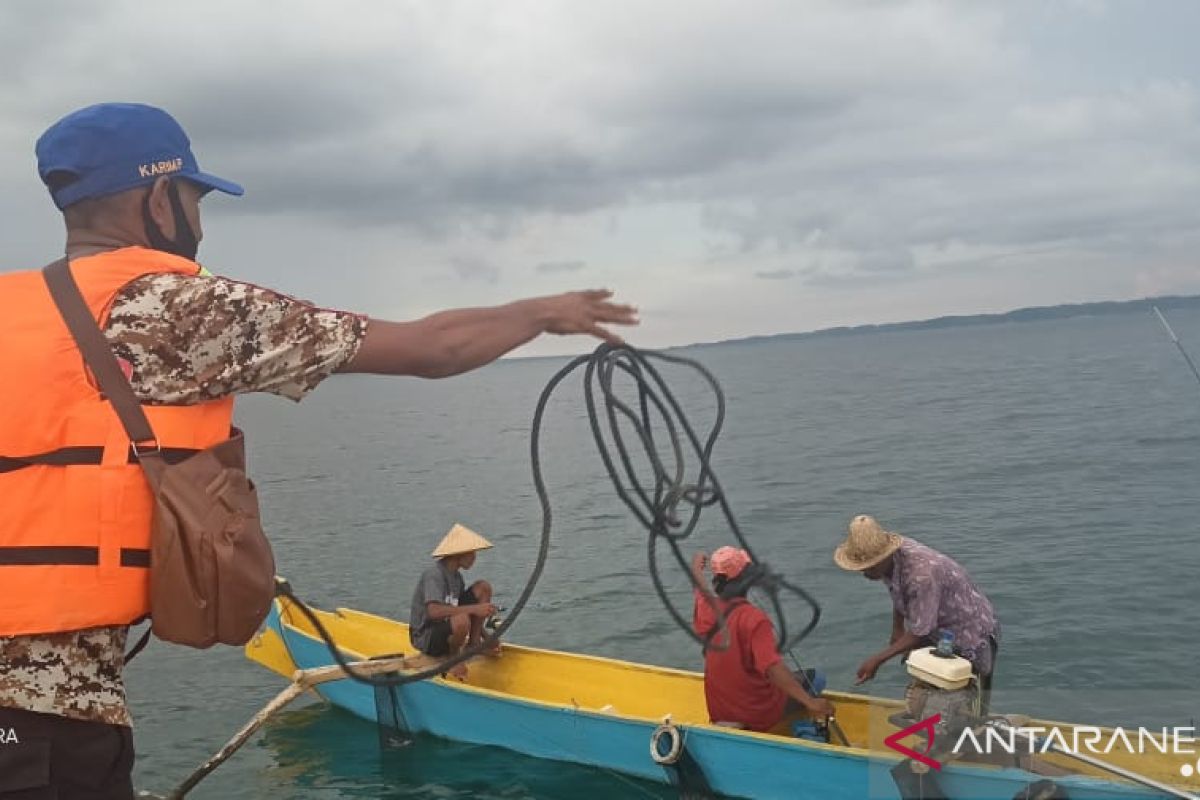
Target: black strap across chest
[{"x": 74, "y": 456}]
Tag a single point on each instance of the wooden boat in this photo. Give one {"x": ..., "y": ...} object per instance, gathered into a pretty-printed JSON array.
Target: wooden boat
[{"x": 603, "y": 712}]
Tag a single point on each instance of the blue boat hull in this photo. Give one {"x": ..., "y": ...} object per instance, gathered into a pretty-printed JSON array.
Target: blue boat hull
[{"x": 734, "y": 763}]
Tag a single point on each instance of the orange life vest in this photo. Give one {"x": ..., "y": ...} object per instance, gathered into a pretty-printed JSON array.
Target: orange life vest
[{"x": 75, "y": 535}]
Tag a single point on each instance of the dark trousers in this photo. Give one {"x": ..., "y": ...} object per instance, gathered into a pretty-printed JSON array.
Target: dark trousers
[
  {"x": 47, "y": 757},
  {"x": 985, "y": 681}
]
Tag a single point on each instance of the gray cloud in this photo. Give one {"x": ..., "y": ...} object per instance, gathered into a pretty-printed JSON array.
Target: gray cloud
[
  {"x": 776, "y": 274},
  {"x": 470, "y": 268},
  {"x": 548, "y": 267},
  {"x": 844, "y": 144}
]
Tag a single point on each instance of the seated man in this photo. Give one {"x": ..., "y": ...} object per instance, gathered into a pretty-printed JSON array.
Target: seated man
[
  {"x": 446, "y": 615},
  {"x": 746, "y": 683}
]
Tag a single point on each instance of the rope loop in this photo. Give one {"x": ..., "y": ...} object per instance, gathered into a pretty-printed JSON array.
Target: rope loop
[{"x": 656, "y": 488}]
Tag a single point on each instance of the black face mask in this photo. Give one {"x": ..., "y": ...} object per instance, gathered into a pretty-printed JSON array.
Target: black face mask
[
  {"x": 185, "y": 244},
  {"x": 739, "y": 586}
]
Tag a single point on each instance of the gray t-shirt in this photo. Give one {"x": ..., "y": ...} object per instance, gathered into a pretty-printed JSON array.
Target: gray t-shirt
[{"x": 438, "y": 584}]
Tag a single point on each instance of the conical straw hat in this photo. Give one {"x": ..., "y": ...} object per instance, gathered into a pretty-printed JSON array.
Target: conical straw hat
[
  {"x": 866, "y": 545},
  {"x": 460, "y": 539}
]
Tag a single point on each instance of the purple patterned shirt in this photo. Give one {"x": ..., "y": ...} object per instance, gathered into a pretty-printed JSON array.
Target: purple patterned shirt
[{"x": 932, "y": 591}]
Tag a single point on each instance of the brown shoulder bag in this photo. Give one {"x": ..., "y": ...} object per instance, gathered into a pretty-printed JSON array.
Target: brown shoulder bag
[{"x": 212, "y": 573}]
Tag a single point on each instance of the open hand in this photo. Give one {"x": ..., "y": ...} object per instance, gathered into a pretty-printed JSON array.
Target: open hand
[
  {"x": 867, "y": 670},
  {"x": 587, "y": 312}
]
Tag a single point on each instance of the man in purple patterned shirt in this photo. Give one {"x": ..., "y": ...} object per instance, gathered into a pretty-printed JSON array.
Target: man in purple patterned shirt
[{"x": 930, "y": 592}]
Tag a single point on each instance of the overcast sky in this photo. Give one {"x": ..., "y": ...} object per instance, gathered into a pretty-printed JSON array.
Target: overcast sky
[{"x": 732, "y": 168}]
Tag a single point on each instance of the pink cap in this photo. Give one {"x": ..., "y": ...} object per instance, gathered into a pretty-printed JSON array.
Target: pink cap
[{"x": 729, "y": 561}]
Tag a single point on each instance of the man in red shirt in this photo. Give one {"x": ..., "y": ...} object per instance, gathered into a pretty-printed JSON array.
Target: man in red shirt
[{"x": 745, "y": 684}]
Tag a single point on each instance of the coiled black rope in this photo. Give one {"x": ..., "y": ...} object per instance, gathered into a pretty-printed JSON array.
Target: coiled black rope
[{"x": 656, "y": 507}]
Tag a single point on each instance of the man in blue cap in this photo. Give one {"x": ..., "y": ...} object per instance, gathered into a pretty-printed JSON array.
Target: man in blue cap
[{"x": 129, "y": 187}]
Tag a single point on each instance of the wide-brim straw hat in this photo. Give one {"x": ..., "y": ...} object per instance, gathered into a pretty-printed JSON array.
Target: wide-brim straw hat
[
  {"x": 460, "y": 539},
  {"x": 866, "y": 545}
]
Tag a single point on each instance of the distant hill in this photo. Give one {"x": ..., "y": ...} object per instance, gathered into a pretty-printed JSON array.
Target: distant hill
[{"x": 1019, "y": 315}]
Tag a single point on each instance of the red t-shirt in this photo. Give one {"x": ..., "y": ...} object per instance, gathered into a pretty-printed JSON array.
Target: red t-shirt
[{"x": 735, "y": 679}]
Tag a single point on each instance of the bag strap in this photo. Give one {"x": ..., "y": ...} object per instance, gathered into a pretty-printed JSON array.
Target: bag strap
[{"x": 99, "y": 356}]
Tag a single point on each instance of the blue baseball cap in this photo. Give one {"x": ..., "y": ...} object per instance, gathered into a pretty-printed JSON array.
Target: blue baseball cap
[{"x": 110, "y": 147}]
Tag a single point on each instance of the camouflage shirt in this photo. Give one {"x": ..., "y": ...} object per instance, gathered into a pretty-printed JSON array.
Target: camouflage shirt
[{"x": 189, "y": 339}]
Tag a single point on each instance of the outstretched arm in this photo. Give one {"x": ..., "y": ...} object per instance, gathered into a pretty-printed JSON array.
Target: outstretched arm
[
  {"x": 907, "y": 641},
  {"x": 781, "y": 677},
  {"x": 452, "y": 342}
]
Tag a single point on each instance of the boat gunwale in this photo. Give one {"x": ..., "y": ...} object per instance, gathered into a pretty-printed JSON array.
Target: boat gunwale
[{"x": 786, "y": 742}]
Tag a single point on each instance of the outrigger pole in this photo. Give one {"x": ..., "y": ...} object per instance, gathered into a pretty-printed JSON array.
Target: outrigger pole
[
  {"x": 302, "y": 681},
  {"x": 1175, "y": 339}
]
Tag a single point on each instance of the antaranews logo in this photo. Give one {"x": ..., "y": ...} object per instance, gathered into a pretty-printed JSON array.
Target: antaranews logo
[
  {"x": 1083, "y": 740},
  {"x": 929, "y": 725},
  {"x": 9, "y": 736}
]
